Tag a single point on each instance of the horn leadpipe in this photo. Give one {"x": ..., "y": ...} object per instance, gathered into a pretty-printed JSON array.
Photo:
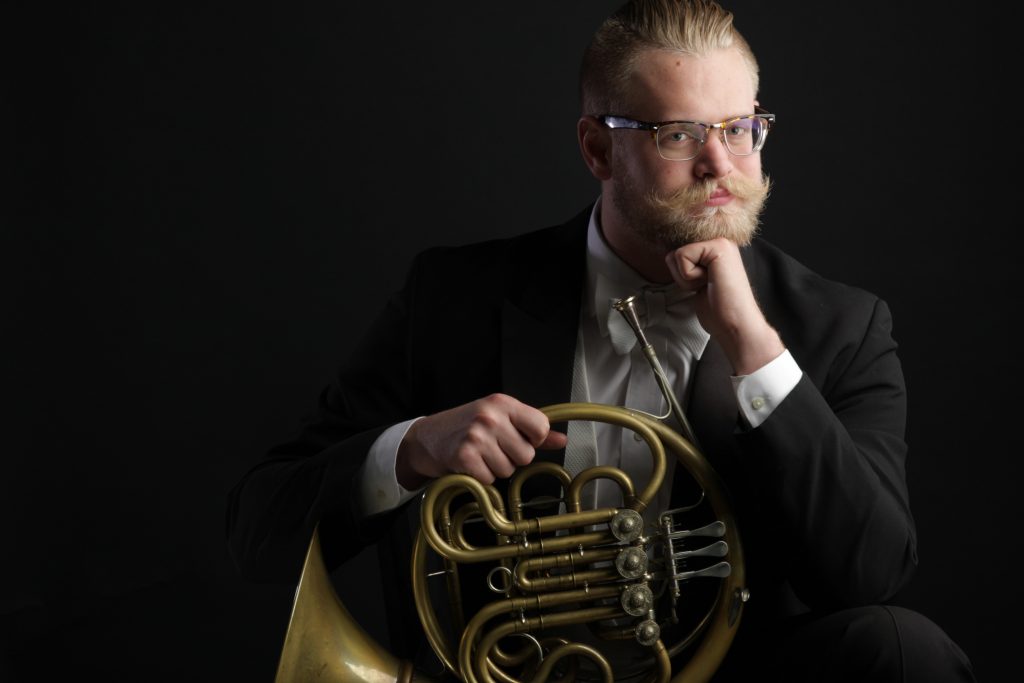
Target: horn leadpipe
[{"x": 627, "y": 309}]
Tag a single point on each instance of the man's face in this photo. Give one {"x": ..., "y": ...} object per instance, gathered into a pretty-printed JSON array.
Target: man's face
[{"x": 663, "y": 203}]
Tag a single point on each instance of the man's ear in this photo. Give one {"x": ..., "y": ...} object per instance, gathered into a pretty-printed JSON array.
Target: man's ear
[{"x": 596, "y": 146}]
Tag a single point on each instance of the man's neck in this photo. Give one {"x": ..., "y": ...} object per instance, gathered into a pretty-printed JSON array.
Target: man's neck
[{"x": 642, "y": 257}]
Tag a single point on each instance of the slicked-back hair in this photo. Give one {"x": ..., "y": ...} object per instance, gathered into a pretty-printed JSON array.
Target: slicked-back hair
[{"x": 690, "y": 27}]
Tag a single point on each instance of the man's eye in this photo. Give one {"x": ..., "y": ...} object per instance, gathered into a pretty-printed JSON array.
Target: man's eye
[{"x": 678, "y": 137}]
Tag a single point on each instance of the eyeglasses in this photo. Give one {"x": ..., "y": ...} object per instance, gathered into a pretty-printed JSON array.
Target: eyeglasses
[{"x": 683, "y": 140}]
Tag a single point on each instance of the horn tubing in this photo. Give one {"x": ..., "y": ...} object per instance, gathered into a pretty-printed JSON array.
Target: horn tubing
[{"x": 324, "y": 643}]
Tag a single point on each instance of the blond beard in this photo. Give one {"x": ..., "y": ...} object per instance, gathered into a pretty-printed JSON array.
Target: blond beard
[{"x": 670, "y": 221}]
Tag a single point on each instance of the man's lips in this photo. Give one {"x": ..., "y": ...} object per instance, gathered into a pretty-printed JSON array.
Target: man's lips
[{"x": 718, "y": 197}]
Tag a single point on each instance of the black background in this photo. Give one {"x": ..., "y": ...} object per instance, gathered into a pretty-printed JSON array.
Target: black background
[{"x": 211, "y": 202}]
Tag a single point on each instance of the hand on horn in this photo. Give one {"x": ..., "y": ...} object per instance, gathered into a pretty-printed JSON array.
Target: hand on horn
[
  {"x": 486, "y": 439},
  {"x": 725, "y": 302}
]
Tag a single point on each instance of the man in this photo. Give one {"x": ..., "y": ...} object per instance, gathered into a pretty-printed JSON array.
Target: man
[{"x": 791, "y": 382}]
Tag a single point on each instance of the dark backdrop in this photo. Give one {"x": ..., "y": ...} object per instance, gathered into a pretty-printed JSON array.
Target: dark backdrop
[{"x": 211, "y": 201}]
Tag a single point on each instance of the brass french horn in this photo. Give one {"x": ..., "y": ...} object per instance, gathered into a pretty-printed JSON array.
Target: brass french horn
[{"x": 600, "y": 568}]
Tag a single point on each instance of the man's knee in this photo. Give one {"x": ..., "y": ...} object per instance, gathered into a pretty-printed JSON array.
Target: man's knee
[
  {"x": 876, "y": 643},
  {"x": 927, "y": 653}
]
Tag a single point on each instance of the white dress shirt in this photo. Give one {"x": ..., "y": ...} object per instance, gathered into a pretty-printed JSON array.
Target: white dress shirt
[{"x": 603, "y": 375}]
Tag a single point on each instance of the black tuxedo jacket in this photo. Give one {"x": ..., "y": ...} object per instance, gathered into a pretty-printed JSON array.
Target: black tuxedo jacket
[{"x": 819, "y": 487}]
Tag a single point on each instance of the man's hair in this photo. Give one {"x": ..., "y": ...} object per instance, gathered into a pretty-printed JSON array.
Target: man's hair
[{"x": 691, "y": 27}]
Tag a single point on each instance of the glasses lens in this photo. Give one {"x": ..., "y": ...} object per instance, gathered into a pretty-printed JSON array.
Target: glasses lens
[
  {"x": 680, "y": 141},
  {"x": 745, "y": 136}
]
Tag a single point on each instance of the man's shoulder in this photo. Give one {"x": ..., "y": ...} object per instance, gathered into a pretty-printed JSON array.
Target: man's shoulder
[
  {"x": 810, "y": 310},
  {"x": 774, "y": 270},
  {"x": 509, "y": 253}
]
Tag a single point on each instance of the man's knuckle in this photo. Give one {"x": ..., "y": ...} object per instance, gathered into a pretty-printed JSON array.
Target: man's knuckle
[
  {"x": 496, "y": 400},
  {"x": 465, "y": 456},
  {"x": 476, "y": 434},
  {"x": 484, "y": 421},
  {"x": 524, "y": 457}
]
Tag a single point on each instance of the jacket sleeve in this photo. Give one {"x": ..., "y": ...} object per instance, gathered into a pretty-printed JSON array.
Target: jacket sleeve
[{"x": 828, "y": 470}]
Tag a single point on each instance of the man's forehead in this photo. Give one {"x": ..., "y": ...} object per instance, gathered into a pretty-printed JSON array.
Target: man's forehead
[{"x": 668, "y": 84}]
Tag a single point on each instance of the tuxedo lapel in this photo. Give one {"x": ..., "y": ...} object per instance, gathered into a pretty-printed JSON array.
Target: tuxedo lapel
[
  {"x": 712, "y": 406},
  {"x": 539, "y": 322},
  {"x": 540, "y": 318},
  {"x": 533, "y": 355},
  {"x": 712, "y": 412}
]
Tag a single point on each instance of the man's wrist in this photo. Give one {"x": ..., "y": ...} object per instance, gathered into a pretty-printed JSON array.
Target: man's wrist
[
  {"x": 749, "y": 352},
  {"x": 379, "y": 489},
  {"x": 405, "y": 473}
]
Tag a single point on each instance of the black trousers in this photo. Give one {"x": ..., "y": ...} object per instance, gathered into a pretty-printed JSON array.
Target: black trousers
[{"x": 876, "y": 643}]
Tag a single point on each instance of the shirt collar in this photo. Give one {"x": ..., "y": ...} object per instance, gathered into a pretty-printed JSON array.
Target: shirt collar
[{"x": 609, "y": 277}]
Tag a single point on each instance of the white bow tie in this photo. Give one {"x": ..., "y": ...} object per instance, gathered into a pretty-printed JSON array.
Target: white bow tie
[{"x": 668, "y": 307}]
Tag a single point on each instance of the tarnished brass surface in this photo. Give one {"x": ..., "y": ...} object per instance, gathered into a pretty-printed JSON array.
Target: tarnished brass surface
[
  {"x": 529, "y": 543},
  {"x": 324, "y": 642}
]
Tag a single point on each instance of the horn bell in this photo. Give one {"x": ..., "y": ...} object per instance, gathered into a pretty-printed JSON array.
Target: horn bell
[{"x": 325, "y": 643}]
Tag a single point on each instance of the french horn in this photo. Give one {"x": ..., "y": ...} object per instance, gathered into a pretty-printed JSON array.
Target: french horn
[{"x": 602, "y": 570}]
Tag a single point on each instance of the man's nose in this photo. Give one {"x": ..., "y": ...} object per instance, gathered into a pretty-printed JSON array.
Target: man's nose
[{"x": 713, "y": 160}]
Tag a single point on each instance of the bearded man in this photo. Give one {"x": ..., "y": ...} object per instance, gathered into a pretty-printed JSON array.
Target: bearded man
[{"x": 791, "y": 381}]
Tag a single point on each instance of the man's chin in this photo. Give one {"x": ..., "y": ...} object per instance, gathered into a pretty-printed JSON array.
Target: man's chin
[{"x": 711, "y": 224}]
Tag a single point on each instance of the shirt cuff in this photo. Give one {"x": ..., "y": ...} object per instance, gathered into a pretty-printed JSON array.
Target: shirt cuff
[
  {"x": 379, "y": 490},
  {"x": 761, "y": 392}
]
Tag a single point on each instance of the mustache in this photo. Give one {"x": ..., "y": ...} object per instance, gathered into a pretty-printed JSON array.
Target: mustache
[{"x": 690, "y": 198}]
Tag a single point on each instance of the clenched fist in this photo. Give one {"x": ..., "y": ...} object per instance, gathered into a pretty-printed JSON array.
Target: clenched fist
[
  {"x": 725, "y": 303},
  {"x": 486, "y": 439}
]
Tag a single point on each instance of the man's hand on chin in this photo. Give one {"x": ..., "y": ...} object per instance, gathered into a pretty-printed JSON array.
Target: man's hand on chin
[{"x": 725, "y": 303}]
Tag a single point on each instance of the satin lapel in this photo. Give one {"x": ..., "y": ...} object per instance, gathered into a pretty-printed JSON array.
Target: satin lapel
[
  {"x": 540, "y": 317},
  {"x": 712, "y": 406},
  {"x": 540, "y": 321},
  {"x": 537, "y": 353},
  {"x": 712, "y": 413}
]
